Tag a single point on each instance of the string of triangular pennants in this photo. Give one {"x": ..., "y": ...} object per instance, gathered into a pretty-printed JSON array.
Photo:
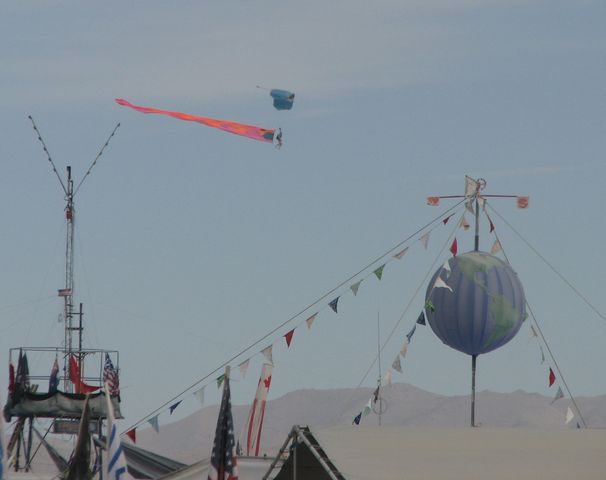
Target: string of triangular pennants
[
  {"x": 421, "y": 320},
  {"x": 267, "y": 352}
]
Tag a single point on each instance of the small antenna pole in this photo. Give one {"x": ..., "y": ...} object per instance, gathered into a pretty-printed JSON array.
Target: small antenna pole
[{"x": 379, "y": 356}]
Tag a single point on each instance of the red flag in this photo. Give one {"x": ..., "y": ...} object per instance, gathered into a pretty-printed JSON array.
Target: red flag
[
  {"x": 76, "y": 379},
  {"x": 552, "y": 377},
  {"x": 288, "y": 337},
  {"x": 445, "y": 221},
  {"x": 132, "y": 434},
  {"x": 433, "y": 201},
  {"x": 491, "y": 225},
  {"x": 257, "y": 412},
  {"x": 522, "y": 202},
  {"x": 454, "y": 247}
]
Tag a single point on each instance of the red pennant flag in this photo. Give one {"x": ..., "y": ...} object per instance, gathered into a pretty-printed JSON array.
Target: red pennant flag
[
  {"x": 445, "y": 221},
  {"x": 552, "y": 377},
  {"x": 454, "y": 248},
  {"x": 491, "y": 225},
  {"x": 288, "y": 337},
  {"x": 132, "y": 434}
]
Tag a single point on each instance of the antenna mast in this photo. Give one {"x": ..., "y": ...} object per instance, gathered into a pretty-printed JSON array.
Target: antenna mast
[{"x": 68, "y": 292}]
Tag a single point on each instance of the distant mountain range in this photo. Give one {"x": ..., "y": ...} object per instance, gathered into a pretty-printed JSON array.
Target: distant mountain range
[{"x": 190, "y": 439}]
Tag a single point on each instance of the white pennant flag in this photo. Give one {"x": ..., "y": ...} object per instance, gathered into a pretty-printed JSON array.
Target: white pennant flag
[
  {"x": 542, "y": 355},
  {"x": 569, "y": 416},
  {"x": 199, "y": 394},
  {"x": 471, "y": 186},
  {"x": 387, "y": 378},
  {"x": 446, "y": 268},
  {"x": 441, "y": 284},
  {"x": 244, "y": 367},
  {"x": 496, "y": 247},
  {"x": 404, "y": 348},
  {"x": 482, "y": 202},
  {"x": 533, "y": 332},
  {"x": 154, "y": 423},
  {"x": 400, "y": 254},
  {"x": 267, "y": 353},
  {"x": 355, "y": 287},
  {"x": 397, "y": 365},
  {"x": 425, "y": 240},
  {"x": 310, "y": 320}
]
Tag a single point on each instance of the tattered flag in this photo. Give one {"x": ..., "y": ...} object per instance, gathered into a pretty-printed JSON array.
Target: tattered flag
[
  {"x": 267, "y": 353},
  {"x": 469, "y": 206},
  {"x": 463, "y": 223},
  {"x": 310, "y": 320},
  {"x": 425, "y": 240},
  {"x": 288, "y": 337},
  {"x": 471, "y": 186},
  {"x": 333, "y": 304},
  {"x": 244, "y": 367},
  {"x": 496, "y": 247},
  {"x": 199, "y": 394},
  {"x": 400, "y": 254},
  {"x": 397, "y": 365},
  {"x": 379, "y": 271}
]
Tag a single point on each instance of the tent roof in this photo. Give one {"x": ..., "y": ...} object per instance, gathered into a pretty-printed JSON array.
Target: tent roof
[{"x": 387, "y": 453}]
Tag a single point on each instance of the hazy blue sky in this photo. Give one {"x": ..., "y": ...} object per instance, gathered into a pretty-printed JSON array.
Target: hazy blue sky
[{"x": 192, "y": 243}]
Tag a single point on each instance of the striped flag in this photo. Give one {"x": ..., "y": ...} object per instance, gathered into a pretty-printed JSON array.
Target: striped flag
[
  {"x": 115, "y": 464},
  {"x": 110, "y": 376},
  {"x": 223, "y": 460},
  {"x": 257, "y": 412}
]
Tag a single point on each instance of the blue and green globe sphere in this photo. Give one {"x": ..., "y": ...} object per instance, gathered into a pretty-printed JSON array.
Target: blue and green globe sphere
[{"x": 485, "y": 309}]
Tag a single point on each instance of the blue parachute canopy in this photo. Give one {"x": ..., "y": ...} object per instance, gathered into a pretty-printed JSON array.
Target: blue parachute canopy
[
  {"x": 283, "y": 99},
  {"x": 485, "y": 308}
]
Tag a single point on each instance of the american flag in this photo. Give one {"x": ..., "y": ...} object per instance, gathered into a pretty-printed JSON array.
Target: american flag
[
  {"x": 110, "y": 376},
  {"x": 223, "y": 460}
]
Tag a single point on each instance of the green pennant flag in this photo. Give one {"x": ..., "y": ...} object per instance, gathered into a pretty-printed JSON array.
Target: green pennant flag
[
  {"x": 220, "y": 380},
  {"x": 379, "y": 271},
  {"x": 429, "y": 306}
]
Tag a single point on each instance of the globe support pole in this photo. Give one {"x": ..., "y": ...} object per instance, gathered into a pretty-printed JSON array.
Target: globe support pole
[
  {"x": 473, "y": 390},
  {"x": 474, "y": 357}
]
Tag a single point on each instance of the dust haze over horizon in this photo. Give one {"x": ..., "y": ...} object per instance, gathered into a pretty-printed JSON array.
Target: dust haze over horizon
[{"x": 192, "y": 243}]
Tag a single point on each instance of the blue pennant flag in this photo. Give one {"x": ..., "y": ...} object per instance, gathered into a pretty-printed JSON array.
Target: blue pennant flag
[
  {"x": 421, "y": 319},
  {"x": 333, "y": 304},
  {"x": 411, "y": 333},
  {"x": 356, "y": 421},
  {"x": 174, "y": 406}
]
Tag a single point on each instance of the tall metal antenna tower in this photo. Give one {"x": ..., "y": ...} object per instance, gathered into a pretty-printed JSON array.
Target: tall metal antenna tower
[{"x": 68, "y": 291}]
